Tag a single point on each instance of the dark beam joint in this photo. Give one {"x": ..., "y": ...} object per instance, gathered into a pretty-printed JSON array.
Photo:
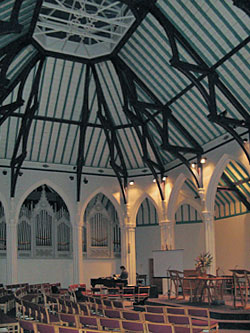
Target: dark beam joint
[
  {"x": 189, "y": 67},
  {"x": 10, "y": 27},
  {"x": 171, "y": 148},
  {"x": 238, "y": 193}
]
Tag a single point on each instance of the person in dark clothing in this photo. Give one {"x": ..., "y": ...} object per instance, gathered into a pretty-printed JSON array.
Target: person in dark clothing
[{"x": 124, "y": 275}]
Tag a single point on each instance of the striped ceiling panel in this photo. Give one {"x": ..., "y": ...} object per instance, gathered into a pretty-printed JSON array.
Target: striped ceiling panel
[
  {"x": 213, "y": 28},
  {"x": 86, "y": 96},
  {"x": 227, "y": 202}
]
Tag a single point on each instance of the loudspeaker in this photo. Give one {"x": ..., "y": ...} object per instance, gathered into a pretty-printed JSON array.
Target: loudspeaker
[{"x": 153, "y": 292}]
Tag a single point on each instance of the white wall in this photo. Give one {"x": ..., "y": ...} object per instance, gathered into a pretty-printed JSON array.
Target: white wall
[
  {"x": 232, "y": 237},
  {"x": 54, "y": 270},
  {"x": 147, "y": 240},
  {"x": 190, "y": 238}
]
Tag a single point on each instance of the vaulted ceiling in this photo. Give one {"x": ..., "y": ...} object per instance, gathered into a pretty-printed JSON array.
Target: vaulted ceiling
[{"x": 121, "y": 88}]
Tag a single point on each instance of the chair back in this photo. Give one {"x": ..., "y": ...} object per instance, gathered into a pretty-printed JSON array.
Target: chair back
[
  {"x": 45, "y": 328},
  {"x": 154, "y": 317},
  {"x": 160, "y": 328}
]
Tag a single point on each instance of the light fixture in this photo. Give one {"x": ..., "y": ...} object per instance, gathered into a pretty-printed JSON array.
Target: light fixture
[
  {"x": 154, "y": 180},
  {"x": 164, "y": 178},
  {"x": 4, "y": 172},
  {"x": 193, "y": 165},
  {"x": 245, "y": 140},
  {"x": 71, "y": 177},
  {"x": 203, "y": 160},
  {"x": 85, "y": 180},
  {"x": 131, "y": 182},
  {"x": 20, "y": 173}
]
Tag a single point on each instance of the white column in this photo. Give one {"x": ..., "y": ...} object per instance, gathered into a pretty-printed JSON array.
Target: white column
[
  {"x": 210, "y": 238},
  {"x": 11, "y": 258},
  {"x": 128, "y": 252},
  {"x": 77, "y": 250},
  {"x": 167, "y": 235}
]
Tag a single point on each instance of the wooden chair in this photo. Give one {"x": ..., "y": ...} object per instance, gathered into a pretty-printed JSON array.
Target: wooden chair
[
  {"x": 159, "y": 328},
  {"x": 27, "y": 326},
  {"x": 110, "y": 324},
  {"x": 133, "y": 326},
  {"x": 132, "y": 315},
  {"x": 204, "y": 315},
  {"x": 68, "y": 319},
  {"x": 45, "y": 328},
  {"x": 89, "y": 322},
  {"x": 154, "y": 317}
]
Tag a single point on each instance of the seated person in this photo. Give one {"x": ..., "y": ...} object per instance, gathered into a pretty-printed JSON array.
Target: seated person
[{"x": 124, "y": 275}]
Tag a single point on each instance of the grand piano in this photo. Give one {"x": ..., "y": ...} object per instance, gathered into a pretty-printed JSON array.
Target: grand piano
[{"x": 106, "y": 282}]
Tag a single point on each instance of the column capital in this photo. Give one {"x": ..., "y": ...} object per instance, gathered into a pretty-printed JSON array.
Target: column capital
[
  {"x": 207, "y": 216},
  {"x": 165, "y": 222},
  {"x": 129, "y": 226}
]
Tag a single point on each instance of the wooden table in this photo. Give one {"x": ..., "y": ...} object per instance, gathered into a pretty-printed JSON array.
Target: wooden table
[{"x": 202, "y": 285}]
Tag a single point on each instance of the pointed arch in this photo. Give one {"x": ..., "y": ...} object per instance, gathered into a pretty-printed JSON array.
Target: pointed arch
[
  {"x": 137, "y": 205},
  {"x": 55, "y": 187},
  {"x": 110, "y": 196},
  {"x": 214, "y": 181}
]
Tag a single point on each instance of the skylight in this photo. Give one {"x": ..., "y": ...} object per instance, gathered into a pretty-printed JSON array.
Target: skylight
[{"x": 85, "y": 28}]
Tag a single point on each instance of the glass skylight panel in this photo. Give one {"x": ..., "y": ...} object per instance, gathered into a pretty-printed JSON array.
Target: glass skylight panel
[{"x": 84, "y": 28}]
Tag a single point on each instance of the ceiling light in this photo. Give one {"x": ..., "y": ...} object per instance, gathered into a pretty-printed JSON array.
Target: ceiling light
[
  {"x": 203, "y": 160},
  {"x": 154, "y": 180},
  {"x": 85, "y": 180},
  {"x": 131, "y": 182},
  {"x": 193, "y": 165},
  {"x": 164, "y": 178}
]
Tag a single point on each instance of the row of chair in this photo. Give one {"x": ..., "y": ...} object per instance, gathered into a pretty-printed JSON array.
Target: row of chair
[
  {"x": 101, "y": 324},
  {"x": 178, "y": 310},
  {"x": 35, "y": 327},
  {"x": 90, "y": 315}
]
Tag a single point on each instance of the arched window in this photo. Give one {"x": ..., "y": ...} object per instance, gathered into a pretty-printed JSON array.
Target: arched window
[
  {"x": 44, "y": 228},
  {"x": 101, "y": 232},
  {"x": 147, "y": 214}
]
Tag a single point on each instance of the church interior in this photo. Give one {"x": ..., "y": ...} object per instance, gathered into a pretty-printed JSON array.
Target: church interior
[{"x": 124, "y": 140}]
